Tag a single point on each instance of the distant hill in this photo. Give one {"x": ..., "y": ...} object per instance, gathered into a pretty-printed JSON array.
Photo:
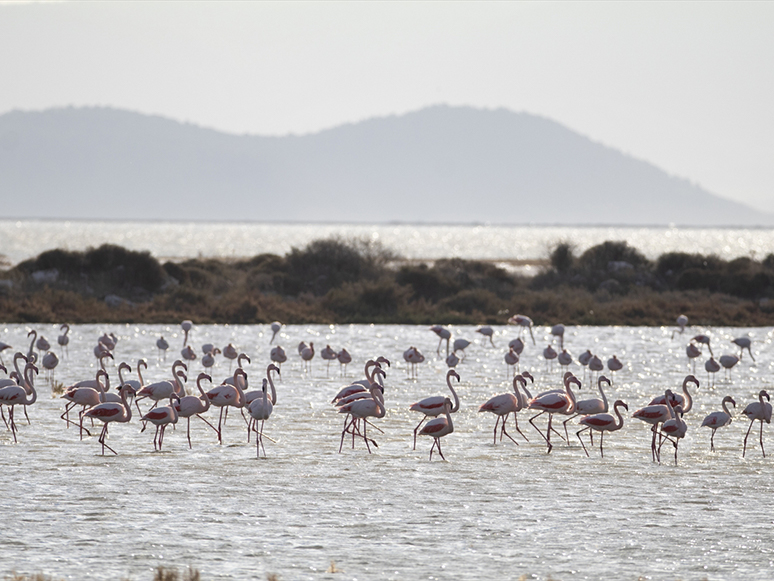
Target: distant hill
[{"x": 440, "y": 164}]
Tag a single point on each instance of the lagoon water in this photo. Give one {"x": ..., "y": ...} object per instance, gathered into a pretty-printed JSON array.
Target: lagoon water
[
  {"x": 488, "y": 512},
  {"x": 24, "y": 239}
]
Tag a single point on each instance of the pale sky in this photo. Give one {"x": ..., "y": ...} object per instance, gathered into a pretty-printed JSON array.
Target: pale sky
[{"x": 688, "y": 87}]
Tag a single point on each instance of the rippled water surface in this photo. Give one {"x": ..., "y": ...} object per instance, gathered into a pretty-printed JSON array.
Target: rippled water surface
[
  {"x": 27, "y": 238},
  {"x": 488, "y": 512}
]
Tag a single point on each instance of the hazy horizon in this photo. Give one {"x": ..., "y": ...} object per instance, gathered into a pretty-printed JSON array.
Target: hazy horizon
[{"x": 684, "y": 86}]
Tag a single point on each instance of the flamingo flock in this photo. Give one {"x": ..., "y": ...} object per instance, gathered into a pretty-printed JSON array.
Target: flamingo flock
[{"x": 363, "y": 402}]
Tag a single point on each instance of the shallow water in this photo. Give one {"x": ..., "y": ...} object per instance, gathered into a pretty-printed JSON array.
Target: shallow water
[
  {"x": 489, "y": 511},
  {"x": 24, "y": 239}
]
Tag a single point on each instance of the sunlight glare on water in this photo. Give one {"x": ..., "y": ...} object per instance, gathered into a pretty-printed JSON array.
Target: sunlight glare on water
[
  {"x": 393, "y": 514},
  {"x": 24, "y": 239}
]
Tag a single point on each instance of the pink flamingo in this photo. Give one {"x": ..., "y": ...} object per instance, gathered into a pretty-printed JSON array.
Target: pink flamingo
[
  {"x": 594, "y": 405},
  {"x": 161, "y": 417},
  {"x": 432, "y": 406},
  {"x": 307, "y": 353},
  {"x": 363, "y": 409},
  {"x": 704, "y": 340},
  {"x": 439, "y": 427},
  {"x": 226, "y": 395},
  {"x": 654, "y": 414},
  {"x": 361, "y": 385},
  {"x": 554, "y": 403},
  {"x": 14, "y": 395},
  {"x": 682, "y": 321},
  {"x": 328, "y": 354},
  {"x": 743, "y": 343},
  {"x": 194, "y": 405},
  {"x": 111, "y": 411},
  {"x": 550, "y": 354},
  {"x": 718, "y": 419},
  {"x": 344, "y": 359},
  {"x": 278, "y": 355},
  {"x": 685, "y": 401},
  {"x": 511, "y": 360},
  {"x": 86, "y": 397},
  {"x": 487, "y": 331},
  {"x": 502, "y": 405},
  {"x": 524, "y": 322},
  {"x": 444, "y": 335},
  {"x": 758, "y": 410},
  {"x": 251, "y": 396},
  {"x": 260, "y": 409},
  {"x": 673, "y": 429},
  {"x": 276, "y": 326},
  {"x": 602, "y": 423}
]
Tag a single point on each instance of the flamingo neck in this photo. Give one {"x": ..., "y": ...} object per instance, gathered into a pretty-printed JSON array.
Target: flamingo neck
[
  {"x": 602, "y": 393},
  {"x": 619, "y": 421},
  {"x": 30, "y": 382},
  {"x": 379, "y": 405},
  {"x": 688, "y": 398},
  {"x": 271, "y": 384},
  {"x": 456, "y": 405}
]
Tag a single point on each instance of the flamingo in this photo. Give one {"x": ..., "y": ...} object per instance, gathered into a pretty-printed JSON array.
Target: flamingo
[
  {"x": 278, "y": 355},
  {"x": 558, "y": 331},
  {"x": 362, "y": 409},
  {"x": 487, "y": 331},
  {"x": 194, "y": 405},
  {"x": 712, "y": 367},
  {"x": 260, "y": 409},
  {"x": 602, "y": 423},
  {"x": 14, "y": 395},
  {"x": 3, "y": 347},
  {"x": 328, "y": 354},
  {"x": 135, "y": 385},
  {"x": 502, "y": 405},
  {"x": 162, "y": 389},
  {"x": 685, "y": 401},
  {"x": 613, "y": 364},
  {"x": 673, "y": 429},
  {"x": 49, "y": 363},
  {"x": 111, "y": 411},
  {"x": 728, "y": 362},
  {"x": 595, "y": 364},
  {"x": 584, "y": 359},
  {"x": 344, "y": 359},
  {"x": 109, "y": 341},
  {"x": 718, "y": 419},
  {"x": 550, "y": 354},
  {"x": 161, "y": 417},
  {"x": 307, "y": 353},
  {"x": 42, "y": 344},
  {"x": 591, "y": 406},
  {"x": 692, "y": 351},
  {"x": 460, "y": 345},
  {"x": 524, "y": 322},
  {"x": 761, "y": 411},
  {"x": 452, "y": 360},
  {"x": 31, "y": 356},
  {"x": 432, "y": 406},
  {"x": 362, "y": 385},
  {"x": 208, "y": 360},
  {"x": 162, "y": 345},
  {"x": 86, "y": 396},
  {"x": 682, "y": 321},
  {"x": 412, "y": 356},
  {"x": 230, "y": 352},
  {"x": 276, "y": 326},
  {"x": 511, "y": 360},
  {"x": 186, "y": 326},
  {"x": 226, "y": 395},
  {"x": 704, "y": 340},
  {"x": 444, "y": 335},
  {"x": 552, "y": 403},
  {"x": 64, "y": 338},
  {"x": 743, "y": 343},
  {"x": 654, "y": 414},
  {"x": 564, "y": 358},
  {"x": 438, "y": 428},
  {"x": 517, "y": 345},
  {"x": 251, "y": 396},
  {"x": 188, "y": 354}
]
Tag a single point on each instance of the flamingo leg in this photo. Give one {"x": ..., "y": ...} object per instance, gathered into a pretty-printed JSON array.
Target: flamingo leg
[
  {"x": 531, "y": 421},
  {"x": 2, "y": 414},
  {"x": 422, "y": 421},
  {"x": 188, "y": 431},
  {"x": 220, "y": 427},
  {"x": 66, "y": 414},
  {"x": 438, "y": 443},
  {"x": 572, "y": 417},
  {"x": 548, "y": 431},
  {"x": 516, "y": 425},
  {"x": 344, "y": 431},
  {"x": 365, "y": 426},
  {"x": 13, "y": 424},
  {"x": 712, "y": 441},
  {"x": 578, "y": 433},
  {"x": 145, "y": 423},
  {"x": 260, "y": 437},
  {"x": 502, "y": 431},
  {"x": 80, "y": 416},
  {"x": 102, "y": 438},
  {"x": 435, "y": 441},
  {"x": 762, "y": 450},
  {"x": 601, "y": 440},
  {"x": 26, "y": 416},
  {"x": 744, "y": 449},
  {"x": 374, "y": 426},
  {"x": 497, "y": 423}
]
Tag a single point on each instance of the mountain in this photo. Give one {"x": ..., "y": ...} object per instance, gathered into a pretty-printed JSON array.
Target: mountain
[{"x": 440, "y": 164}]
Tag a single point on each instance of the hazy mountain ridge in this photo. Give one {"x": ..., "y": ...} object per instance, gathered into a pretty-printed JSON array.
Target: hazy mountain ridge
[{"x": 440, "y": 164}]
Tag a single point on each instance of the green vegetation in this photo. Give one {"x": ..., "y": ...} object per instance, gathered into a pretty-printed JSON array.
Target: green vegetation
[{"x": 352, "y": 281}]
